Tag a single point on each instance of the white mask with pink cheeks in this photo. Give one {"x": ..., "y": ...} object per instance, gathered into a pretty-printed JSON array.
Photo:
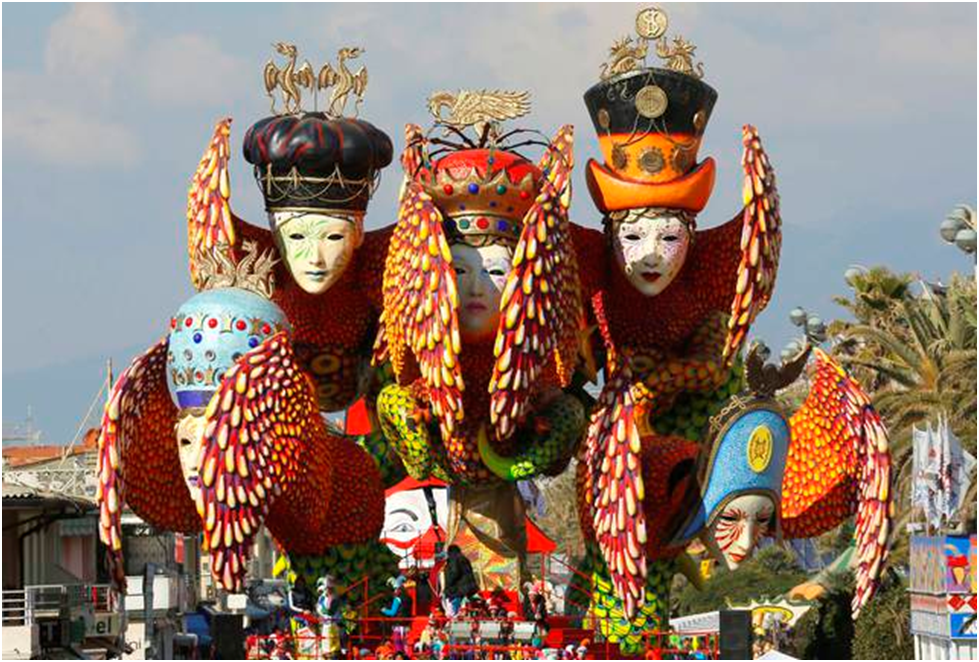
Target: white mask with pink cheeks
[
  {"x": 481, "y": 274},
  {"x": 190, "y": 440},
  {"x": 737, "y": 529},
  {"x": 650, "y": 248}
]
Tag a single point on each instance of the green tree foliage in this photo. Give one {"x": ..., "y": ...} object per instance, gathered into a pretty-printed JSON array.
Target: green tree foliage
[
  {"x": 883, "y": 631},
  {"x": 916, "y": 354},
  {"x": 825, "y": 632},
  {"x": 560, "y": 519}
]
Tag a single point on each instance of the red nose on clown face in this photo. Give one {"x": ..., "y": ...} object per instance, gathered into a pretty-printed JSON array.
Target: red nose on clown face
[{"x": 428, "y": 543}]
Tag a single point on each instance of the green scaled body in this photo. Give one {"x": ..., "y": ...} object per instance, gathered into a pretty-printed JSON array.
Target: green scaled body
[
  {"x": 398, "y": 411},
  {"x": 348, "y": 565}
]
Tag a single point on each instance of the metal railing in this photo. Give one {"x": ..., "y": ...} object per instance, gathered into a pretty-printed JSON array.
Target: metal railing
[
  {"x": 25, "y": 606},
  {"x": 457, "y": 636},
  {"x": 20, "y": 432},
  {"x": 14, "y": 607},
  {"x": 78, "y": 482}
]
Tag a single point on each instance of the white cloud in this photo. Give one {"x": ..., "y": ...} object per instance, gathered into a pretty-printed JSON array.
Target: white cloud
[
  {"x": 90, "y": 41},
  {"x": 51, "y": 135},
  {"x": 189, "y": 69},
  {"x": 53, "y": 123},
  {"x": 81, "y": 110},
  {"x": 827, "y": 66},
  {"x": 67, "y": 114}
]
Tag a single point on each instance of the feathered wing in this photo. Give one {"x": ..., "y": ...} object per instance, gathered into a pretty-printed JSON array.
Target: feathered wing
[
  {"x": 839, "y": 464},
  {"x": 210, "y": 222},
  {"x": 360, "y": 82},
  {"x": 739, "y": 259},
  {"x": 420, "y": 296},
  {"x": 541, "y": 314},
  {"x": 612, "y": 454},
  {"x": 138, "y": 460},
  {"x": 256, "y": 425},
  {"x": 471, "y": 107}
]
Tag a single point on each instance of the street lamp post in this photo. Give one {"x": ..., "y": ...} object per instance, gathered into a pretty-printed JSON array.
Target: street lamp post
[
  {"x": 959, "y": 228},
  {"x": 813, "y": 327},
  {"x": 854, "y": 272}
]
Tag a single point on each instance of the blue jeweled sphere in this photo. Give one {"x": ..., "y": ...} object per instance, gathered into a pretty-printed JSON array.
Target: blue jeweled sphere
[{"x": 209, "y": 333}]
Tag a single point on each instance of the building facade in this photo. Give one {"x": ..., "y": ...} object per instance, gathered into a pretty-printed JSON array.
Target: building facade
[{"x": 943, "y": 597}]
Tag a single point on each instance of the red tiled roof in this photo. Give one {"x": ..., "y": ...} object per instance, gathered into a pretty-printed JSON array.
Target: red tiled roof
[{"x": 18, "y": 456}]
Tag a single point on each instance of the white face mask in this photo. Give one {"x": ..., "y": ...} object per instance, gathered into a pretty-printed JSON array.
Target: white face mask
[
  {"x": 190, "y": 440},
  {"x": 650, "y": 250},
  {"x": 735, "y": 532},
  {"x": 481, "y": 274},
  {"x": 407, "y": 520},
  {"x": 316, "y": 248}
]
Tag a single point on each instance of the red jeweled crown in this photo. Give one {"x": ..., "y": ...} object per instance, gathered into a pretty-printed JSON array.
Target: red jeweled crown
[{"x": 483, "y": 192}]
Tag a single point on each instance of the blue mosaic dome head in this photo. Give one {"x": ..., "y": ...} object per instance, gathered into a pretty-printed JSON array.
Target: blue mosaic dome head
[
  {"x": 747, "y": 457},
  {"x": 209, "y": 333}
]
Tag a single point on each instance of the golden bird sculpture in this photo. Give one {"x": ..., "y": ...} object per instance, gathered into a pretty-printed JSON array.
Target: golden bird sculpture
[
  {"x": 481, "y": 109},
  {"x": 343, "y": 81},
  {"x": 288, "y": 79}
]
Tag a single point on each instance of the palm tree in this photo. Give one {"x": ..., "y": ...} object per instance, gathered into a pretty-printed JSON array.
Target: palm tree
[
  {"x": 917, "y": 354},
  {"x": 877, "y": 296}
]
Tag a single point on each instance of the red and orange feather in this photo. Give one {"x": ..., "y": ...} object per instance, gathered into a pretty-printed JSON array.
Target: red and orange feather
[
  {"x": 839, "y": 465},
  {"x": 420, "y": 297},
  {"x": 138, "y": 458},
  {"x": 541, "y": 313},
  {"x": 210, "y": 222}
]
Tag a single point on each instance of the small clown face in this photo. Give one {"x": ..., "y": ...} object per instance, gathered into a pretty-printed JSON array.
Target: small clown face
[
  {"x": 738, "y": 528},
  {"x": 409, "y": 531},
  {"x": 650, "y": 249},
  {"x": 190, "y": 441},
  {"x": 317, "y": 248},
  {"x": 481, "y": 274}
]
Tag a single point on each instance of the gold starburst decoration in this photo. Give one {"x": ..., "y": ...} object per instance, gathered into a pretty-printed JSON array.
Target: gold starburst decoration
[
  {"x": 253, "y": 272},
  {"x": 651, "y": 23}
]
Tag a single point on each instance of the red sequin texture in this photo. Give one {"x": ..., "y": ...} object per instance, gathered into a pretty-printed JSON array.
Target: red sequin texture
[
  {"x": 342, "y": 321},
  {"x": 476, "y": 362},
  {"x": 339, "y": 499},
  {"x": 705, "y": 284}
]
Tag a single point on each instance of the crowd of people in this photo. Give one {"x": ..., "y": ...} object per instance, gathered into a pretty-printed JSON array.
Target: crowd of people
[{"x": 462, "y": 623}]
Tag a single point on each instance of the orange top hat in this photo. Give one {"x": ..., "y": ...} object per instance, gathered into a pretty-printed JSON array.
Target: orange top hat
[{"x": 650, "y": 122}]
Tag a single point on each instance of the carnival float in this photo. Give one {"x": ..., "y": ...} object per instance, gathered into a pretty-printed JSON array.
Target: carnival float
[{"x": 470, "y": 327}]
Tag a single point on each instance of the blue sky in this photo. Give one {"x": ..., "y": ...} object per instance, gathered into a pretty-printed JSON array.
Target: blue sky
[{"x": 867, "y": 111}]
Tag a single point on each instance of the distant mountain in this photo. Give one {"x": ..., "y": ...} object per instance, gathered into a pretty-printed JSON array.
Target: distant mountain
[{"x": 60, "y": 395}]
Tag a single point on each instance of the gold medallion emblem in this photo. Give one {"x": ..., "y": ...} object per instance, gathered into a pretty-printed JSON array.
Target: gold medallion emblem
[
  {"x": 651, "y": 101},
  {"x": 603, "y": 118},
  {"x": 651, "y": 23},
  {"x": 651, "y": 160},
  {"x": 760, "y": 449}
]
